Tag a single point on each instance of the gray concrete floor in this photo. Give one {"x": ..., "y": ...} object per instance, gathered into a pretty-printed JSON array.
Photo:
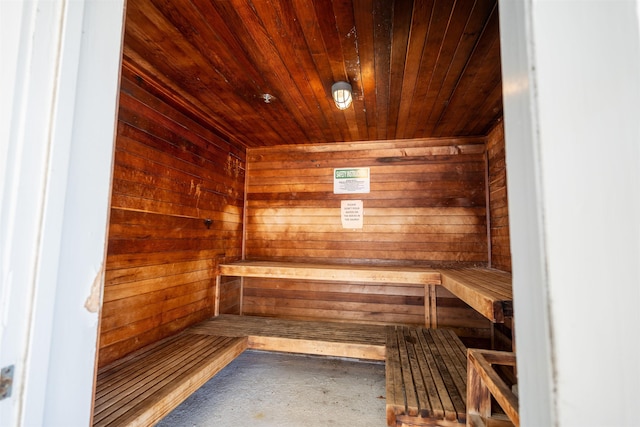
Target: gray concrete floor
[{"x": 272, "y": 389}]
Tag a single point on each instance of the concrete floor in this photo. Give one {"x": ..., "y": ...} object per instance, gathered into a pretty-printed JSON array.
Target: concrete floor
[{"x": 272, "y": 389}]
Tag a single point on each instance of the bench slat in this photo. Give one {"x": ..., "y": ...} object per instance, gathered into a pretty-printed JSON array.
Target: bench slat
[
  {"x": 486, "y": 290},
  {"x": 143, "y": 388},
  {"x": 335, "y": 272},
  {"x": 435, "y": 407},
  {"x": 428, "y": 368},
  {"x": 393, "y": 377}
]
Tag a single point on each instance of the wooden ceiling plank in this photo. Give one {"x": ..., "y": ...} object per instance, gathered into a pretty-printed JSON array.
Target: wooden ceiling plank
[
  {"x": 253, "y": 33},
  {"x": 462, "y": 35},
  {"x": 192, "y": 115},
  {"x": 238, "y": 62},
  {"x": 346, "y": 26},
  {"x": 181, "y": 99},
  {"x": 363, "y": 13},
  {"x": 402, "y": 12},
  {"x": 324, "y": 47},
  {"x": 214, "y": 141},
  {"x": 413, "y": 66},
  {"x": 382, "y": 27},
  {"x": 436, "y": 40},
  {"x": 285, "y": 30},
  {"x": 492, "y": 104},
  {"x": 483, "y": 75},
  {"x": 422, "y": 11},
  {"x": 182, "y": 60},
  {"x": 148, "y": 32},
  {"x": 198, "y": 31},
  {"x": 478, "y": 19}
]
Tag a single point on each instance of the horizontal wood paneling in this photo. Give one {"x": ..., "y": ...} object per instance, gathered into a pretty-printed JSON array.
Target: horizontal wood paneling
[
  {"x": 171, "y": 172},
  {"x": 365, "y": 303},
  {"x": 230, "y": 293},
  {"x": 473, "y": 328},
  {"x": 498, "y": 200},
  {"x": 426, "y": 207}
]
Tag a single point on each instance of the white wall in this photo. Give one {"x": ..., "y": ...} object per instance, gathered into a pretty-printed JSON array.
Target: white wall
[
  {"x": 572, "y": 125},
  {"x": 62, "y": 66}
]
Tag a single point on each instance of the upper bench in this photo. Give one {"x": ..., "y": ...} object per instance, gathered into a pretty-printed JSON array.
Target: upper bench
[
  {"x": 335, "y": 272},
  {"x": 486, "y": 290}
]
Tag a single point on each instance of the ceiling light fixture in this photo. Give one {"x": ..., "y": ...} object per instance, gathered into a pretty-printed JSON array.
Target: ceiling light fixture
[{"x": 341, "y": 92}]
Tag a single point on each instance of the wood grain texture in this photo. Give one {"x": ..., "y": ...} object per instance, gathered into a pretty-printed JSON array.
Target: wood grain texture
[
  {"x": 498, "y": 200},
  {"x": 426, "y": 207},
  {"x": 418, "y": 68},
  {"x": 305, "y": 337},
  {"x": 488, "y": 291},
  {"x": 486, "y": 384},
  {"x": 426, "y": 377},
  {"x": 171, "y": 172},
  {"x": 141, "y": 389}
]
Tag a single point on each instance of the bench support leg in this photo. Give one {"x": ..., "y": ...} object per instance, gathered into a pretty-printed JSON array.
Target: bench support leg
[
  {"x": 430, "y": 312},
  {"x": 216, "y": 304}
]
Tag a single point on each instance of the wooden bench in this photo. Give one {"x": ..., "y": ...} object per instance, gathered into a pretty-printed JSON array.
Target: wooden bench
[
  {"x": 425, "y": 368},
  {"x": 488, "y": 291},
  {"x": 485, "y": 383},
  {"x": 140, "y": 389},
  {"x": 350, "y": 340},
  {"x": 421, "y": 277},
  {"x": 426, "y": 375}
]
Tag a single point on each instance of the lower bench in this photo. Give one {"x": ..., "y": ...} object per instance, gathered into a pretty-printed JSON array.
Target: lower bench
[
  {"x": 140, "y": 389},
  {"x": 425, "y": 368},
  {"x": 426, "y": 376}
]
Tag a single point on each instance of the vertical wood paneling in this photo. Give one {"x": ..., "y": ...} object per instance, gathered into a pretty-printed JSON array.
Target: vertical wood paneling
[
  {"x": 426, "y": 207},
  {"x": 498, "y": 201},
  {"x": 171, "y": 173}
]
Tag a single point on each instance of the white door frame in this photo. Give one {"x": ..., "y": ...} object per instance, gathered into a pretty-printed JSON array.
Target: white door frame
[
  {"x": 60, "y": 68},
  {"x": 571, "y": 86},
  {"x": 60, "y": 78}
]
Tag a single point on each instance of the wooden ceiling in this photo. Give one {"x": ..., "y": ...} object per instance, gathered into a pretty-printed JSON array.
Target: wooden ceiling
[{"x": 419, "y": 68}]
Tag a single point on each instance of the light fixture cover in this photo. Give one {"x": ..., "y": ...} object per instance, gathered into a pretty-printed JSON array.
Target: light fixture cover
[{"x": 341, "y": 92}]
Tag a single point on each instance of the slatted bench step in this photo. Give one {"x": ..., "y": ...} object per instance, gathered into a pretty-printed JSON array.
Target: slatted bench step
[
  {"x": 426, "y": 375},
  {"x": 142, "y": 388}
]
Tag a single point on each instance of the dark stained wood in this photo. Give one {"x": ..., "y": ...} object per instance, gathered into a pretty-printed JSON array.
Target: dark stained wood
[
  {"x": 498, "y": 200},
  {"x": 418, "y": 68},
  {"x": 171, "y": 173}
]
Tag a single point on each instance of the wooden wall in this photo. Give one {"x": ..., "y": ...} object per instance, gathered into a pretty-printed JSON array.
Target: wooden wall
[
  {"x": 171, "y": 173},
  {"x": 426, "y": 207},
  {"x": 498, "y": 201}
]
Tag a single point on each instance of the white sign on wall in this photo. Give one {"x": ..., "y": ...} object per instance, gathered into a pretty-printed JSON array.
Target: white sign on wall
[
  {"x": 351, "y": 180},
  {"x": 352, "y": 213}
]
